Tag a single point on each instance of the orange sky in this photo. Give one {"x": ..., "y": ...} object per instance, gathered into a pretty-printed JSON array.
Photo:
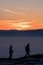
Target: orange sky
[
  {"x": 11, "y": 25},
  {"x": 20, "y": 15}
]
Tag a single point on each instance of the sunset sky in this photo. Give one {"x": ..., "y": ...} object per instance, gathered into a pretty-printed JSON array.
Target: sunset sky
[{"x": 21, "y": 14}]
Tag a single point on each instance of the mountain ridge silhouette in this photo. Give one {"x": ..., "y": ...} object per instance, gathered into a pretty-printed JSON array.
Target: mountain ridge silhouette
[{"x": 38, "y": 32}]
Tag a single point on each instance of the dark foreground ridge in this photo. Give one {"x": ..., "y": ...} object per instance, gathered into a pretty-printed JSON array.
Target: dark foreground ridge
[
  {"x": 38, "y": 32},
  {"x": 31, "y": 60},
  {"x": 22, "y": 58}
]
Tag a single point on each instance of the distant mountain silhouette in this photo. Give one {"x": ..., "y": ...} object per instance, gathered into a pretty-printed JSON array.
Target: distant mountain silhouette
[{"x": 38, "y": 32}]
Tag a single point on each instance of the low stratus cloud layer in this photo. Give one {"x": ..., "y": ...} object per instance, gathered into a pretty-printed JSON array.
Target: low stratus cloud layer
[{"x": 14, "y": 25}]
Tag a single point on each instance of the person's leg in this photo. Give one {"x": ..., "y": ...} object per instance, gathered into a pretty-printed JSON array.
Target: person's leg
[
  {"x": 28, "y": 54},
  {"x": 10, "y": 56}
]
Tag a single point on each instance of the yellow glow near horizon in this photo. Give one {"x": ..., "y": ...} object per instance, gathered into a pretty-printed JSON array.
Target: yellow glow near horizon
[
  {"x": 21, "y": 25},
  {"x": 11, "y": 25}
]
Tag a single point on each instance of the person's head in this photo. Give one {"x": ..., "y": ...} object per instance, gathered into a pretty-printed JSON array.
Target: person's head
[
  {"x": 10, "y": 45},
  {"x": 28, "y": 44}
]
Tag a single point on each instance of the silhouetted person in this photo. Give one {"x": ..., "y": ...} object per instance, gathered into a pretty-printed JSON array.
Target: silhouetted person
[
  {"x": 27, "y": 49},
  {"x": 10, "y": 51}
]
